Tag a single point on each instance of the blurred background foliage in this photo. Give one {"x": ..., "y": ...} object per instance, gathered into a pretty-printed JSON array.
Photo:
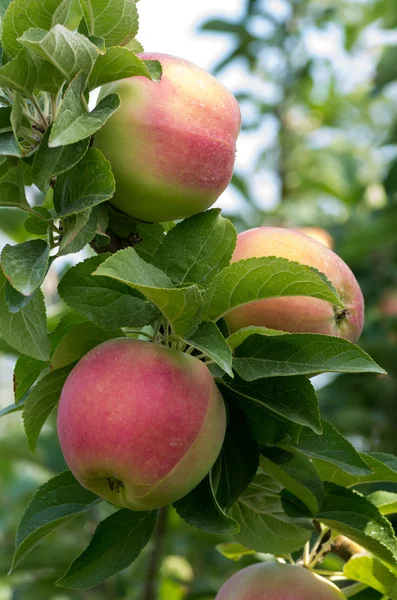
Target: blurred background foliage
[{"x": 317, "y": 85}]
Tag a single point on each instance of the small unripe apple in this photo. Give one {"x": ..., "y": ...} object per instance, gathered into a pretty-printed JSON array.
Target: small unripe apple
[
  {"x": 300, "y": 313},
  {"x": 171, "y": 144},
  {"x": 319, "y": 234},
  {"x": 276, "y": 581},
  {"x": 140, "y": 424}
]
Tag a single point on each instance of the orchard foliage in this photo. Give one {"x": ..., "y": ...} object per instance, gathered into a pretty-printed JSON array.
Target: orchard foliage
[{"x": 285, "y": 480}]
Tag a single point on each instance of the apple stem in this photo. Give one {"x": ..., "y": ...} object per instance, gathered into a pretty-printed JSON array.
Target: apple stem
[{"x": 150, "y": 587}]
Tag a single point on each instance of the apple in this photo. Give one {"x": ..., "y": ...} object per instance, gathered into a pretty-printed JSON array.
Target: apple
[
  {"x": 171, "y": 144},
  {"x": 276, "y": 581},
  {"x": 319, "y": 234},
  {"x": 140, "y": 424},
  {"x": 300, "y": 313}
]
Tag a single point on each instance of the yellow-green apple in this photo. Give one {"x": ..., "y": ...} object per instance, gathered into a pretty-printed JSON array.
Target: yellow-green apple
[
  {"x": 300, "y": 313},
  {"x": 319, "y": 234},
  {"x": 276, "y": 581},
  {"x": 140, "y": 424},
  {"x": 171, "y": 144}
]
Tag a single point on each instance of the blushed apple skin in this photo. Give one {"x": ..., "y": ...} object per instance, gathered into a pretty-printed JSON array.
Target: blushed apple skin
[
  {"x": 275, "y": 581},
  {"x": 171, "y": 144},
  {"x": 140, "y": 424},
  {"x": 300, "y": 313}
]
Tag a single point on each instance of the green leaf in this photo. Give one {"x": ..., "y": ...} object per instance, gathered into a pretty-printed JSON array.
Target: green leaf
[
  {"x": 209, "y": 340},
  {"x": 266, "y": 277},
  {"x": 78, "y": 341},
  {"x": 201, "y": 509},
  {"x": 21, "y": 73},
  {"x": 238, "y": 461},
  {"x": 262, "y": 356},
  {"x": 332, "y": 447},
  {"x": 386, "y": 71},
  {"x": 296, "y": 473},
  {"x": 38, "y": 225},
  {"x": 5, "y": 119},
  {"x": 147, "y": 237},
  {"x": 21, "y": 15},
  {"x": 26, "y": 265},
  {"x": 104, "y": 301},
  {"x": 68, "y": 51},
  {"x": 383, "y": 468},
  {"x": 386, "y": 502},
  {"x": 181, "y": 306},
  {"x": 74, "y": 122},
  {"x": 49, "y": 162},
  {"x": 78, "y": 231},
  {"x": 86, "y": 185},
  {"x": 117, "y": 542},
  {"x": 40, "y": 403},
  {"x": 12, "y": 189},
  {"x": 26, "y": 372},
  {"x": 56, "y": 502},
  {"x": 12, "y": 408},
  {"x": 26, "y": 330},
  {"x": 119, "y": 63},
  {"x": 15, "y": 300},
  {"x": 350, "y": 514},
  {"x": 237, "y": 338},
  {"x": 292, "y": 398},
  {"x": 197, "y": 248},
  {"x": 370, "y": 571},
  {"x": 116, "y": 21},
  {"x": 67, "y": 322},
  {"x": 233, "y": 551},
  {"x": 264, "y": 526}
]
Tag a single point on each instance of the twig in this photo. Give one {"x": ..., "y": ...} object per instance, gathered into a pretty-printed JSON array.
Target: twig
[{"x": 150, "y": 587}]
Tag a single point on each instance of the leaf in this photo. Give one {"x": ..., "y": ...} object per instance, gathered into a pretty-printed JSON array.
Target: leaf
[
  {"x": 209, "y": 340},
  {"x": 197, "y": 248},
  {"x": 201, "y": 509},
  {"x": 266, "y": 277},
  {"x": 9, "y": 145},
  {"x": 386, "y": 71},
  {"x": 349, "y": 513},
  {"x": 117, "y": 541},
  {"x": 233, "y": 551},
  {"x": 38, "y": 221},
  {"x": 119, "y": 63},
  {"x": 78, "y": 231},
  {"x": 386, "y": 502},
  {"x": 292, "y": 398},
  {"x": 21, "y": 15},
  {"x": 146, "y": 236},
  {"x": 26, "y": 265},
  {"x": 332, "y": 447},
  {"x": 383, "y": 468},
  {"x": 181, "y": 306},
  {"x": 14, "y": 299},
  {"x": 371, "y": 572},
  {"x": 26, "y": 330},
  {"x": 262, "y": 356},
  {"x": 104, "y": 301},
  {"x": 12, "y": 408},
  {"x": 40, "y": 402},
  {"x": 56, "y": 502},
  {"x": 116, "y": 21},
  {"x": 237, "y": 338},
  {"x": 5, "y": 119},
  {"x": 78, "y": 341},
  {"x": 49, "y": 162},
  {"x": 238, "y": 461},
  {"x": 26, "y": 372},
  {"x": 21, "y": 73},
  {"x": 296, "y": 473},
  {"x": 74, "y": 122},
  {"x": 12, "y": 189},
  {"x": 264, "y": 526},
  {"x": 68, "y": 51},
  {"x": 86, "y": 185}
]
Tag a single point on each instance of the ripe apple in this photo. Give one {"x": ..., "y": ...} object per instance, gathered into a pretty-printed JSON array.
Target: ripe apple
[
  {"x": 300, "y": 313},
  {"x": 171, "y": 144},
  {"x": 319, "y": 234},
  {"x": 140, "y": 424},
  {"x": 275, "y": 581}
]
